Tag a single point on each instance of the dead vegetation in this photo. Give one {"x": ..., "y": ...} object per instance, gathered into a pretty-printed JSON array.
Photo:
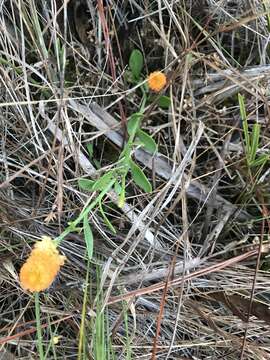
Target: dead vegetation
[{"x": 186, "y": 274}]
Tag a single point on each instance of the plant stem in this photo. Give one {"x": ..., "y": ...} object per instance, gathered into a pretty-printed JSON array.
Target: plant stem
[
  {"x": 86, "y": 210},
  {"x": 144, "y": 99},
  {"x": 39, "y": 332}
]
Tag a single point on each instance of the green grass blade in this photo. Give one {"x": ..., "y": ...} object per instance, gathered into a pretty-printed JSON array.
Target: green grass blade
[
  {"x": 245, "y": 123},
  {"x": 254, "y": 141},
  {"x": 88, "y": 237},
  {"x": 99, "y": 331}
]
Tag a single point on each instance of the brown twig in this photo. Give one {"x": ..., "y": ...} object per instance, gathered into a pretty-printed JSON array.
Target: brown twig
[{"x": 178, "y": 280}]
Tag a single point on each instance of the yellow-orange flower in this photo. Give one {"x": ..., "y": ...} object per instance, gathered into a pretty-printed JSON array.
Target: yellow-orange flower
[
  {"x": 42, "y": 266},
  {"x": 156, "y": 81}
]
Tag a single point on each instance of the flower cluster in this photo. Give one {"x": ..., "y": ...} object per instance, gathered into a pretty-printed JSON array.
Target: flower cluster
[
  {"x": 156, "y": 81},
  {"x": 42, "y": 266}
]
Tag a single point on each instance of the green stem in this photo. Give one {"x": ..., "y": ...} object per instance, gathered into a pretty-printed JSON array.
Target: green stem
[
  {"x": 85, "y": 211},
  {"x": 39, "y": 332},
  {"x": 122, "y": 196},
  {"x": 144, "y": 99}
]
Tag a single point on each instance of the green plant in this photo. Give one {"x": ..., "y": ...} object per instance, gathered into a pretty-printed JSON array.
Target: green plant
[
  {"x": 251, "y": 139},
  {"x": 115, "y": 179}
]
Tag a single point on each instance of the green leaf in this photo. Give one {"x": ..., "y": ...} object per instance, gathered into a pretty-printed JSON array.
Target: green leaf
[
  {"x": 136, "y": 63},
  {"x": 147, "y": 141},
  {"x": 261, "y": 160},
  {"x": 88, "y": 237},
  {"x": 117, "y": 188},
  {"x": 164, "y": 102},
  {"x": 128, "y": 76},
  {"x": 139, "y": 178},
  {"x": 255, "y": 136},
  {"x": 86, "y": 184},
  {"x": 124, "y": 158},
  {"x": 90, "y": 149},
  {"x": 134, "y": 123},
  {"x": 103, "y": 182},
  {"x": 97, "y": 163},
  {"x": 245, "y": 122},
  {"x": 107, "y": 221}
]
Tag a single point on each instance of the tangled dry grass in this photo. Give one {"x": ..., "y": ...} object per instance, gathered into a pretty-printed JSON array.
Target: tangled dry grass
[{"x": 186, "y": 276}]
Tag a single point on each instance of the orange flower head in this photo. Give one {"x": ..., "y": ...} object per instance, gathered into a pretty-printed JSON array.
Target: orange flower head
[
  {"x": 42, "y": 266},
  {"x": 156, "y": 81}
]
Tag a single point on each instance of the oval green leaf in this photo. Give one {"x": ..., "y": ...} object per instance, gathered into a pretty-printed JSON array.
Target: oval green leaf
[
  {"x": 136, "y": 63},
  {"x": 139, "y": 177},
  {"x": 164, "y": 102},
  {"x": 86, "y": 184},
  {"x": 147, "y": 141}
]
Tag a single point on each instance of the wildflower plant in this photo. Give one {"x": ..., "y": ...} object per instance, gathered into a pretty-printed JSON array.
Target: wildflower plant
[
  {"x": 115, "y": 179},
  {"x": 44, "y": 262}
]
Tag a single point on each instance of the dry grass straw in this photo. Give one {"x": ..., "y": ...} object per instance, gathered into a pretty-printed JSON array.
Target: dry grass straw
[{"x": 200, "y": 240}]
